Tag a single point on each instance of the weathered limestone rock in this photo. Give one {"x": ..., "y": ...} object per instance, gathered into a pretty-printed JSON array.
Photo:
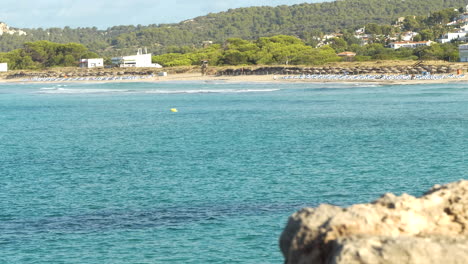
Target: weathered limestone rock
[
  {"x": 5, "y": 29},
  {"x": 391, "y": 230}
]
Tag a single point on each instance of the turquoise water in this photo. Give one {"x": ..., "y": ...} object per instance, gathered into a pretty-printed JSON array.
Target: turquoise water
[{"x": 105, "y": 173}]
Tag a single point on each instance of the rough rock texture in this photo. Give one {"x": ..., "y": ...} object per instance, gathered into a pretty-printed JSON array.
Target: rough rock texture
[
  {"x": 5, "y": 29},
  {"x": 392, "y": 230}
]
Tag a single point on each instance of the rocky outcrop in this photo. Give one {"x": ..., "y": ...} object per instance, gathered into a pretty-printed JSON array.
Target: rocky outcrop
[
  {"x": 392, "y": 230},
  {"x": 5, "y": 29}
]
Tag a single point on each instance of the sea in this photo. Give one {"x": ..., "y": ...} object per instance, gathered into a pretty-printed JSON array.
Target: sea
[{"x": 107, "y": 173}]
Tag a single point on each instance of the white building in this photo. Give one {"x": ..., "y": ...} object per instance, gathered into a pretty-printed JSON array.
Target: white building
[
  {"x": 360, "y": 31},
  {"x": 408, "y": 36},
  {"x": 3, "y": 67},
  {"x": 409, "y": 44},
  {"x": 459, "y": 35},
  {"x": 463, "y": 49},
  {"x": 91, "y": 63},
  {"x": 138, "y": 60}
]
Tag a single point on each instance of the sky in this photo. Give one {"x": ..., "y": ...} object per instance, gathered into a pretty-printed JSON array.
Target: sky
[{"x": 107, "y": 13}]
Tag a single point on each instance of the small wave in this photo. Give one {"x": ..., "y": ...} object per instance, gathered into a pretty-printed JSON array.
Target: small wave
[
  {"x": 367, "y": 85},
  {"x": 55, "y": 90},
  {"x": 48, "y": 88},
  {"x": 79, "y": 91},
  {"x": 53, "y": 87},
  {"x": 211, "y": 91}
]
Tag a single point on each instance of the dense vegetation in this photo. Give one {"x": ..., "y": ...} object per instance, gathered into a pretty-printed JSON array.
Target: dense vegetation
[
  {"x": 180, "y": 44},
  {"x": 279, "y": 49},
  {"x": 41, "y": 54},
  {"x": 306, "y": 21},
  {"x": 284, "y": 50}
]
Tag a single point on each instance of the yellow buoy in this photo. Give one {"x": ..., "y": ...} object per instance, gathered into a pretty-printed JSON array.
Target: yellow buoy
[{"x": 174, "y": 110}]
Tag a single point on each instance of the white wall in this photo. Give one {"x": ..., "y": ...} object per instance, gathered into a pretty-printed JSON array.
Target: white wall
[
  {"x": 3, "y": 67},
  {"x": 139, "y": 60},
  {"x": 92, "y": 63}
]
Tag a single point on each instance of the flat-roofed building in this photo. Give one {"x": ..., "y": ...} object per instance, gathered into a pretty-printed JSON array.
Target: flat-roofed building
[
  {"x": 410, "y": 44},
  {"x": 139, "y": 60},
  {"x": 448, "y": 37},
  {"x": 91, "y": 63},
  {"x": 3, "y": 67}
]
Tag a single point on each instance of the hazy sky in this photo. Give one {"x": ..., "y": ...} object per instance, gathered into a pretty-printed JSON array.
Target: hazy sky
[{"x": 105, "y": 13}]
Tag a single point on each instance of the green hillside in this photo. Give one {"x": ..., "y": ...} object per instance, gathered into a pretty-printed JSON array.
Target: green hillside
[{"x": 303, "y": 21}]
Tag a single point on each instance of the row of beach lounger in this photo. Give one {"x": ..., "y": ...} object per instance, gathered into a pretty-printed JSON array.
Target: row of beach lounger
[
  {"x": 113, "y": 78},
  {"x": 373, "y": 77}
]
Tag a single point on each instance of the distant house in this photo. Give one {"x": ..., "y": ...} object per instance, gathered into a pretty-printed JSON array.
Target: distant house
[
  {"x": 207, "y": 43},
  {"x": 463, "y": 49},
  {"x": 409, "y": 44},
  {"x": 333, "y": 35},
  {"x": 452, "y": 23},
  {"x": 459, "y": 35},
  {"x": 408, "y": 36},
  {"x": 3, "y": 67},
  {"x": 360, "y": 31},
  {"x": 139, "y": 60},
  {"x": 464, "y": 27},
  {"x": 91, "y": 63}
]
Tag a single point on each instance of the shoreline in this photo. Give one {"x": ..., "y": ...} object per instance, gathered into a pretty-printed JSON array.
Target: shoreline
[{"x": 196, "y": 77}]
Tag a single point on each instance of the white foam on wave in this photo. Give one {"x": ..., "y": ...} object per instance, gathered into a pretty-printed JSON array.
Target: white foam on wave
[
  {"x": 55, "y": 90},
  {"x": 55, "y": 87},
  {"x": 201, "y": 91},
  {"x": 367, "y": 85},
  {"x": 79, "y": 91},
  {"x": 48, "y": 88}
]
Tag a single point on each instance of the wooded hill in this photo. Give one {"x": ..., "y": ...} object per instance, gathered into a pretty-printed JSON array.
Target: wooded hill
[{"x": 304, "y": 21}]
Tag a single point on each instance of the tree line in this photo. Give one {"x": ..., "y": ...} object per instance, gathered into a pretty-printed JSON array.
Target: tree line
[
  {"x": 46, "y": 54},
  {"x": 276, "y": 50},
  {"x": 289, "y": 50},
  {"x": 306, "y": 21}
]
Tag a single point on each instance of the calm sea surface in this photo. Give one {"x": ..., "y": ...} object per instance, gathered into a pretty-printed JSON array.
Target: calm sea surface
[{"x": 106, "y": 173}]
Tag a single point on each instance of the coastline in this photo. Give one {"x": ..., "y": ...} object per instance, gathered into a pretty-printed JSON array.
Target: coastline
[{"x": 197, "y": 77}]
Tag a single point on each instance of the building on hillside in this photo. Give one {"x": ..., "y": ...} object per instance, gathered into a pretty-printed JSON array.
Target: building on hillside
[
  {"x": 409, "y": 44},
  {"x": 139, "y": 60},
  {"x": 453, "y": 23},
  {"x": 408, "y": 36},
  {"x": 459, "y": 35},
  {"x": 3, "y": 67},
  {"x": 207, "y": 43},
  {"x": 360, "y": 31},
  {"x": 333, "y": 35},
  {"x": 464, "y": 27},
  {"x": 463, "y": 49},
  {"x": 91, "y": 63}
]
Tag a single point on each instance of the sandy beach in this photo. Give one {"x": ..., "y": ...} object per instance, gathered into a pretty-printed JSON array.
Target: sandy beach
[
  {"x": 197, "y": 77},
  {"x": 279, "y": 78},
  {"x": 382, "y": 72}
]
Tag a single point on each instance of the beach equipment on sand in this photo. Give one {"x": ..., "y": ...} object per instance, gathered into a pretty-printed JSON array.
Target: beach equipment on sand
[{"x": 174, "y": 110}]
